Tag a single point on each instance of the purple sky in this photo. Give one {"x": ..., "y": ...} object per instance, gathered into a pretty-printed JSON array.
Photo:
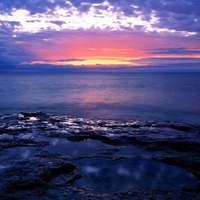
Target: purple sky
[{"x": 122, "y": 35}]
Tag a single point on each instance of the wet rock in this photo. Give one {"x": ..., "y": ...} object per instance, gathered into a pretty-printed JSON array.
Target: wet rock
[
  {"x": 110, "y": 151},
  {"x": 88, "y": 194},
  {"x": 9, "y": 143},
  {"x": 181, "y": 127},
  {"x": 198, "y": 187},
  {"x": 33, "y": 176},
  {"x": 32, "y": 114},
  {"x": 176, "y": 145},
  {"x": 173, "y": 143},
  {"x": 190, "y": 162},
  {"x": 159, "y": 194}
]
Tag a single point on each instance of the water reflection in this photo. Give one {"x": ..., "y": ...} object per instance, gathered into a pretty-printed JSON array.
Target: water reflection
[
  {"x": 73, "y": 149},
  {"x": 18, "y": 152},
  {"x": 102, "y": 175},
  {"x": 151, "y": 96}
]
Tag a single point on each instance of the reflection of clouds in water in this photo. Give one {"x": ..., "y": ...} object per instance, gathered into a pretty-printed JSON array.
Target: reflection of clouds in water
[
  {"x": 120, "y": 175},
  {"x": 75, "y": 152},
  {"x": 160, "y": 171},
  {"x": 123, "y": 175},
  {"x": 26, "y": 153},
  {"x": 2, "y": 166},
  {"x": 63, "y": 145},
  {"x": 23, "y": 152},
  {"x": 139, "y": 170},
  {"x": 90, "y": 144},
  {"x": 123, "y": 171},
  {"x": 55, "y": 142},
  {"x": 92, "y": 170}
]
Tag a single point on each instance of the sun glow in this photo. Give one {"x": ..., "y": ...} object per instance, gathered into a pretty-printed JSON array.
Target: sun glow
[
  {"x": 94, "y": 61},
  {"x": 102, "y": 48},
  {"x": 85, "y": 49}
]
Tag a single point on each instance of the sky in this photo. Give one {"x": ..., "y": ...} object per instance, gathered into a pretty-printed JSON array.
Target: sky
[{"x": 109, "y": 35}]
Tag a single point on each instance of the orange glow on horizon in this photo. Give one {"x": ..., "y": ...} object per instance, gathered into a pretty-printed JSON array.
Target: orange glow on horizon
[
  {"x": 100, "y": 48},
  {"x": 105, "y": 48},
  {"x": 108, "y": 61},
  {"x": 96, "y": 61}
]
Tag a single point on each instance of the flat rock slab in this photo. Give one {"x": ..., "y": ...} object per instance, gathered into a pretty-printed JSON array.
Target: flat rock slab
[
  {"x": 33, "y": 176},
  {"x": 44, "y": 174}
]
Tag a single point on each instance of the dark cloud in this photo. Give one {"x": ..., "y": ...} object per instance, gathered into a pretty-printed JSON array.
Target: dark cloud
[
  {"x": 176, "y": 60},
  {"x": 177, "y": 15},
  {"x": 71, "y": 60},
  {"x": 7, "y": 57},
  {"x": 65, "y": 60},
  {"x": 177, "y": 64},
  {"x": 41, "y": 6},
  {"x": 178, "y": 50},
  {"x": 31, "y": 5},
  {"x": 170, "y": 64},
  {"x": 6, "y": 28},
  {"x": 10, "y": 51}
]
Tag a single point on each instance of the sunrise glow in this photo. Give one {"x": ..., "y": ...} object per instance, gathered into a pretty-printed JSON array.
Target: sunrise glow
[{"x": 100, "y": 33}]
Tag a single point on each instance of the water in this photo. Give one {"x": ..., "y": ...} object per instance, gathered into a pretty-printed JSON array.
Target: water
[
  {"x": 104, "y": 175},
  {"x": 160, "y": 97},
  {"x": 131, "y": 174},
  {"x": 99, "y": 95}
]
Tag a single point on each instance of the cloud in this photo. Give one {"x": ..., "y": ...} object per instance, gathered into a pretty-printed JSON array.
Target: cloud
[
  {"x": 172, "y": 17},
  {"x": 59, "y": 62},
  {"x": 71, "y": 60},
  {"x": 189, "y": 63},
  {"x": 176, "y": 51},
  {"x": 67, "y": 31}
]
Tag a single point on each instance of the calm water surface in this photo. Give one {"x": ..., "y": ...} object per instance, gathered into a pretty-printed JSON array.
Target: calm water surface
[
  {"x": 100, "y": 95},
  {"x": 104, "y": 175},
  {"x": 109, "y": 96}
]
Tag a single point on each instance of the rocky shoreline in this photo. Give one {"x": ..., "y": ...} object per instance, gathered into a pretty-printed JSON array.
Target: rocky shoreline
[{"x": 45, "y": 174}]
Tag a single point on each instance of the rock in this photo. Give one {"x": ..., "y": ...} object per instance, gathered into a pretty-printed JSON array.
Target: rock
[
  {"x": 181, "y": 127},
  {"x": 35, "y": 175},
  {"x": 173, "y": 143},
  {"x": 198, "y": 187},
  {"x": 109, "y": 151},
  {"x": 15, "y": 142},
  {"x": 32, "y": 114}
]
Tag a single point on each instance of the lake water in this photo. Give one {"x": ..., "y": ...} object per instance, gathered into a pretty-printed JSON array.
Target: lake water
[{"x": 153, "y": 96}]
